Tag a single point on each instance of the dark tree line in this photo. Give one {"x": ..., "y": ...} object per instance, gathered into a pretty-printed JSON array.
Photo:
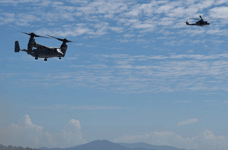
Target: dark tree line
[{"x": 15, "y": 148}]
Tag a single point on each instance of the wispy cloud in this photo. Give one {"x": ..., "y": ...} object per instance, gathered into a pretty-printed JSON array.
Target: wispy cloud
[
  {"x": 97, "y": 108},
  {"x": 72, "y": 107},
  {"x": 126, "y": 73},
  {"x": 121, "y": 16},
  {"x": 207, "y": 140},
  {"x": 35, "y": 136},
  {"x": 187, "y": 122},
  {"x": 183, "y": 101}
]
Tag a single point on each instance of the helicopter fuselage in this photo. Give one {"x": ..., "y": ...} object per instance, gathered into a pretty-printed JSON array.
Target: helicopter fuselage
[
  {"x": 201, "y": 22},
  {"x": 45, "y": 53}
]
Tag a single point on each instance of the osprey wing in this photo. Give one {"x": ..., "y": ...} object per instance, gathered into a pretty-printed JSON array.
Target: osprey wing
[{"x": 41, "y": 46}]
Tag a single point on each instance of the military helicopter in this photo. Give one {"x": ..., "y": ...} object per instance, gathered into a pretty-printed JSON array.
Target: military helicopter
[
  {"x": 42, "y": 51},
  {"x": 201, "y": 22}
]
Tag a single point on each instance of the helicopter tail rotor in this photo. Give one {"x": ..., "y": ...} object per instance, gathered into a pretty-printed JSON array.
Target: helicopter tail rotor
[{"x": 187, "y": 23}]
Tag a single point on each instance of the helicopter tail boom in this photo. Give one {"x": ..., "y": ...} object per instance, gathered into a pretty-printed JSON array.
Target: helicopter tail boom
[
  {"x": 190, "y": 24},
  {"x": 17, "y": 47}
]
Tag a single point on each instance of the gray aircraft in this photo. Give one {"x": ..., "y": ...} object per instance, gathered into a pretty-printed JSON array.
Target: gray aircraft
[
  {"x": 201, "y": 22},
  {"x": 41, "y": 51}
]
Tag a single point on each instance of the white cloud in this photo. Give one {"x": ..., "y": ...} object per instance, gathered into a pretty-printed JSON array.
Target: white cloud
[
  {"x": 219, "y": 12},
  {"x": 205, "y": 141},
  {"x": 120, "y": 14},
  {"x": 97, "y": 107},
  {"x": 78, "y": 29},
  {"x": 187, "y": 122},
  {"x": 70, "y": 136},
  {"x": 128, "y": 35},
  {"x": 72, "y": 107},
  {"x": 27, "y": 134},
  {"x": 136, "y": 74},
  {"x": 117, "y": 29}
]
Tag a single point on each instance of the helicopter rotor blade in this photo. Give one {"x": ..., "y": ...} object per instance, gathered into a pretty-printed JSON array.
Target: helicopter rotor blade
[
  {"x": 41, "y": 36},
  {"x": 195, "y": 18},
  {"x": 33, "y": 34},
  {"x": 24, "y": 32},
  {"x": 56, "y": 38},
  {"x": 209, "y": 19},
  {"x": 63, "y": 40}
]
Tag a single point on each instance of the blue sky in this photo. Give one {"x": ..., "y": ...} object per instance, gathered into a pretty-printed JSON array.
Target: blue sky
[{"x": 137, "y": 73}]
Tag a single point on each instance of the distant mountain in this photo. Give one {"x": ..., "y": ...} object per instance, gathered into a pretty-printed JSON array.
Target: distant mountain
[
  {"x": 106, "y": 145},
  {"x": 102, "y": 145},
  {"x": 99, "y": 145},
  {"x": 148, "y": 146}
]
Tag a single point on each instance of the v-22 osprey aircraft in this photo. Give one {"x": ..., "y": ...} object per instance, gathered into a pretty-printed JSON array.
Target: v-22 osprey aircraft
[{"x": 42, "y": 51}]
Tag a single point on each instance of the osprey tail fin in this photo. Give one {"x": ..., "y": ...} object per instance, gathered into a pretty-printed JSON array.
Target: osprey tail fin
[{"x": 17, "y": 47}]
